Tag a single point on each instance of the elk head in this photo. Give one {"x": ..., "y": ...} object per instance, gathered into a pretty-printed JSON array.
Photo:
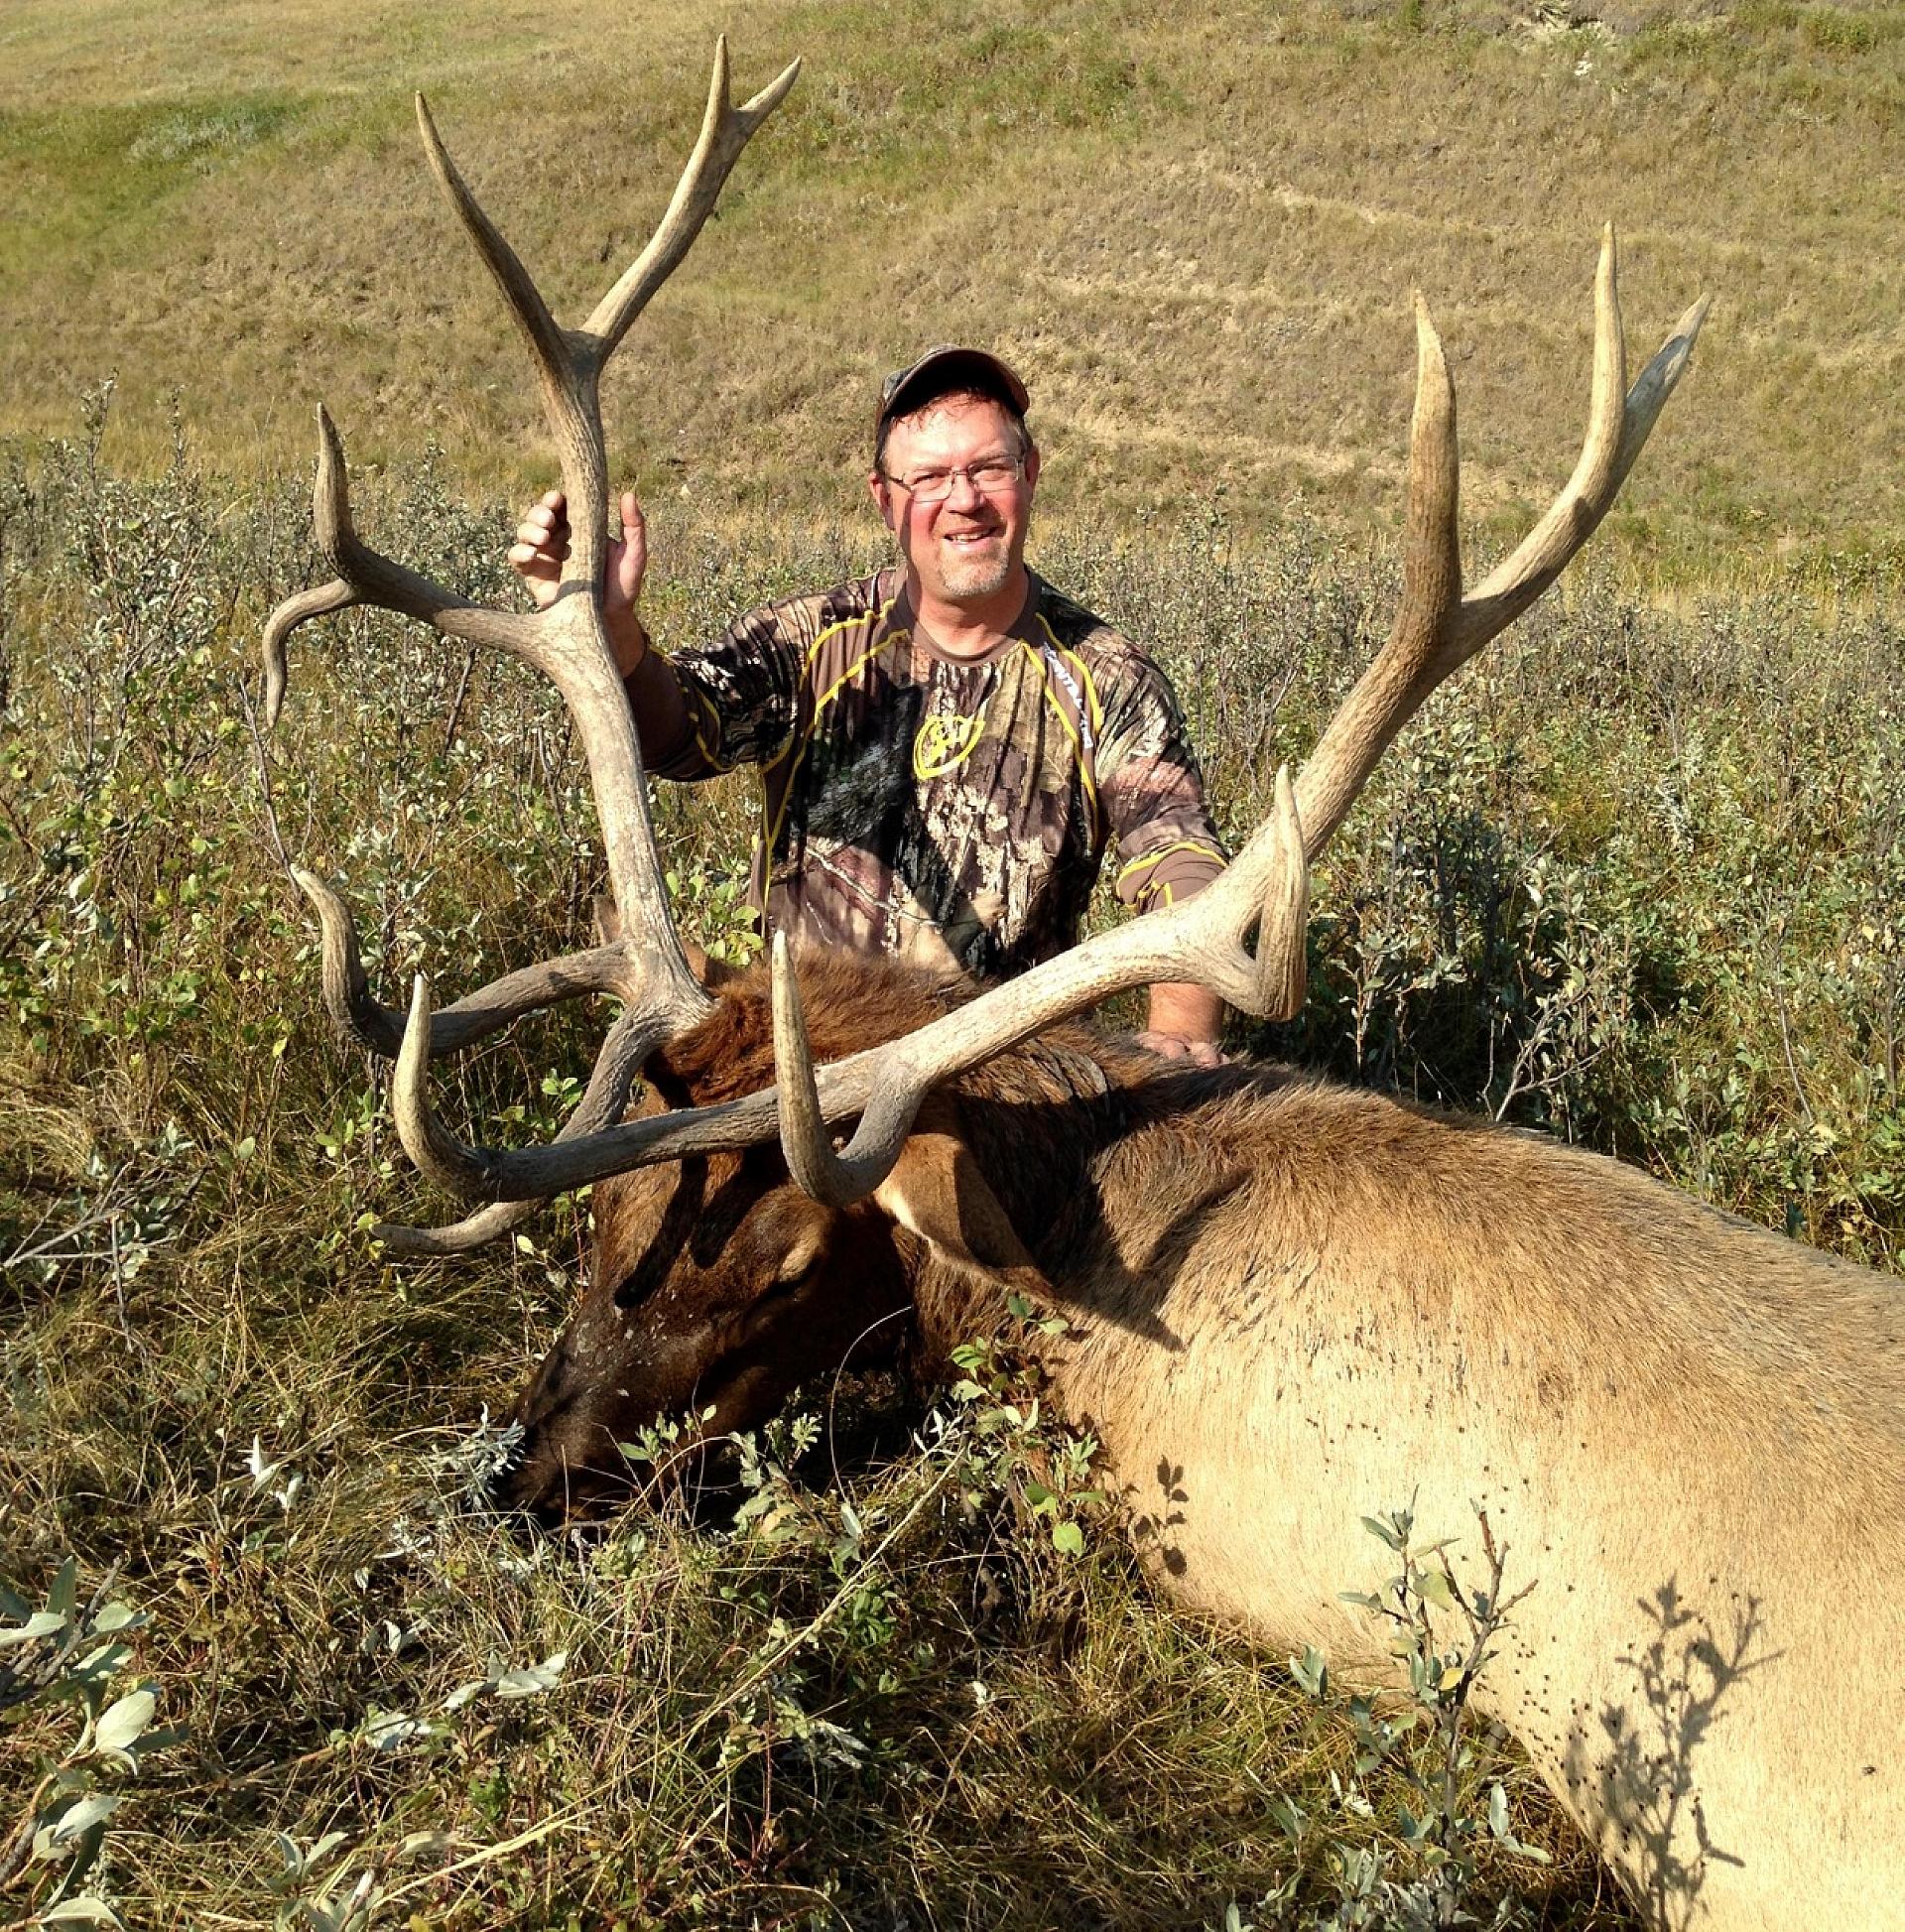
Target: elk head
[
  {"x": 766, "y": 1250},
  {"x": 719, "y": 1283}
]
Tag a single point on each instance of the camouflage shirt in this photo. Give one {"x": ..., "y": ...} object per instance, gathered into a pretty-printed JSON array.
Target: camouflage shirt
[{"x": 932, "y": 806}]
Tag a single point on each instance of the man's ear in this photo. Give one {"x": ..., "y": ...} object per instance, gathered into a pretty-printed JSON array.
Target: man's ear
[
  {"x": 876, "y": 488},
  {"x": 937, "y": 1193}
]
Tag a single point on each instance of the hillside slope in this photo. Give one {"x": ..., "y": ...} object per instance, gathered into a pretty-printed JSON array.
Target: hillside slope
[{"x": 1195, "y": 227}]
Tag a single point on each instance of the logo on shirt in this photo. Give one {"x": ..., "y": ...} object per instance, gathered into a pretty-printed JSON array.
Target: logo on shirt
[{"x": 943, "y": 743}]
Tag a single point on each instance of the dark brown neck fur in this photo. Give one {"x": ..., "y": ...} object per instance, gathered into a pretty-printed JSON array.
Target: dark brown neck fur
[{"x": 852, "y": 1001}]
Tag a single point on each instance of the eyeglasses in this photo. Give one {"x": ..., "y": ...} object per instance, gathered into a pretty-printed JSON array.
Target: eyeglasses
[{"x": 993, "y": 477}]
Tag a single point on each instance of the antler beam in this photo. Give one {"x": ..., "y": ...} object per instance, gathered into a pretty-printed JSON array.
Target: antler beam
[{"x": 568, "y": 642}]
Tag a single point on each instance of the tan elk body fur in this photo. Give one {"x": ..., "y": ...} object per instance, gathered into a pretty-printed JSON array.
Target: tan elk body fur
[
  {"x": 1296, "y": 1305},
  {"x": 1291, "y": 1304}
]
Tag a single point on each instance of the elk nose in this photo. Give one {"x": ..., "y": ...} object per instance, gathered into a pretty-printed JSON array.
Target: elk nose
[{"x": 515, "y": 1494}]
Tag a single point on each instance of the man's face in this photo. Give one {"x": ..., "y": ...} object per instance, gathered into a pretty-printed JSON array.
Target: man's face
[{"x": 973, "y": 545}]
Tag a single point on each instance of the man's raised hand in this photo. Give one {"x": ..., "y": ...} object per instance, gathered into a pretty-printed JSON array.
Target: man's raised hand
[{"x": 542, "y": 548}]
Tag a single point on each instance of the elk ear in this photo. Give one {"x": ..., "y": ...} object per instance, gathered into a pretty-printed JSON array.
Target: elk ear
[{"x": 937, "y": 1193}]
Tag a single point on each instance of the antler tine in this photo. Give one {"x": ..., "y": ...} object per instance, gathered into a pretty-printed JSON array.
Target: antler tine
[
  {"x": 837, "y": 1179},
  {"x": 1398, "y": 679},
  {"x": 433, "y": 1152},
  {"x": 360, "y": 1016},
  {"x": 726, "y": 131},
  {"x": 536, "y": 1173},
  {"x": 486, "y": 1224},
  {"x": 374, "y": 578},
  {"x": 568, "y": 362},
  {"x": 1283, "y": 935},
  {"x": 547, "y": 344},
  {"x": 319, "y": 601},
  {"x": 1617, "y": 431},
  {"x": 473, "y": 1171},
  {"x": 566, "y": 378},
  {"x": 364, "y": 576},
  {"x": 1585, "y": 499},
  {"x": 601, "y": 1105},
  {"x": 809, "y": 1147}
]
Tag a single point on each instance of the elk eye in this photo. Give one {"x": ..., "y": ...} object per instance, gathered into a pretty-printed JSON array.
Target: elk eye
[
  {"x": 777, "y": 1291},
  {"x": 783, "y": 1288},
  {"x": 790, "y": 1272}
]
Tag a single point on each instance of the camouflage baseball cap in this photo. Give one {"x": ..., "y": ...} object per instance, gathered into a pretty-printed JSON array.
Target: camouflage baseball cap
[{"x": 945, "y": 367}]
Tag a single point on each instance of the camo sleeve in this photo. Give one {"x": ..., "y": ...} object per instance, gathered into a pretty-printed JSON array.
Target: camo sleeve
[
  {"x": 1151, "y": 790},
  {"x": 732, "y": 702}
]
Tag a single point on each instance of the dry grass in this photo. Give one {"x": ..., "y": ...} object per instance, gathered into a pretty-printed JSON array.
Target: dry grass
[{"x": 1196, "y": 233}]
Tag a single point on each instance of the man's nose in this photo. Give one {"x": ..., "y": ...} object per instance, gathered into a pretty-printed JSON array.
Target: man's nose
[{"x": 963, "y": 490}]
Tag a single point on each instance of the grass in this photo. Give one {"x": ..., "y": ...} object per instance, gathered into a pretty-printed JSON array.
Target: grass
[
  {"x": 1593, "y": 891},
  {"x": 1196, "y": 236}
]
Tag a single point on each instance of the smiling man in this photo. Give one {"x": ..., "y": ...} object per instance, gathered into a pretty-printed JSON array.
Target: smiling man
[{"x": 946, "y": 748}]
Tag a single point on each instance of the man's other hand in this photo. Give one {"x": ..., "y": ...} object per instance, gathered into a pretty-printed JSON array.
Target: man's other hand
[
  {"x": 541, "y": 549},
  {"x": 1185, "y": 1023},
  {"x": 1174, "y": 1046}
]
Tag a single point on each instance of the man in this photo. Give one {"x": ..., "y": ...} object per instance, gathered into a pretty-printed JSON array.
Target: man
[{"x": 944, "y": 747}]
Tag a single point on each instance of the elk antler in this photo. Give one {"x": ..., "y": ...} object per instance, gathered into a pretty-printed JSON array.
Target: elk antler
[
  {"x": 1205, "y": 939},
  {"x": 568, "y": 642},
  {"x": 1436, "y": 629}
]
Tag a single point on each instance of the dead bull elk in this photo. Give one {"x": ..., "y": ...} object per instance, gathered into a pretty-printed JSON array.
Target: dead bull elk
[{"x": 1291, "y": 1300}]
